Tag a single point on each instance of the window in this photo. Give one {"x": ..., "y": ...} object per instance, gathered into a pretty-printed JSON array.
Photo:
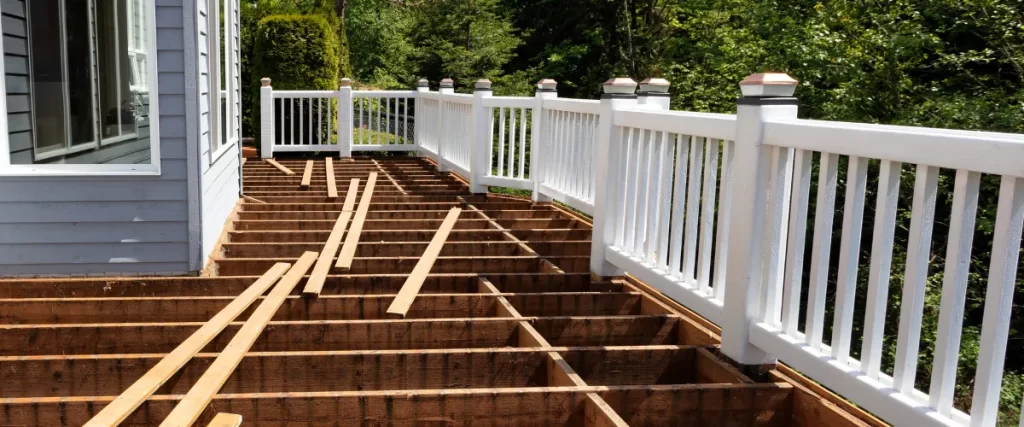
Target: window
[
  {"x": 225, "y": 108},
  {"x": 89, "y": 88}
]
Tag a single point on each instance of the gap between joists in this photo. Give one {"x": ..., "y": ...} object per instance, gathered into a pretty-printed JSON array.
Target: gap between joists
[
  {"x": 597, "y": 412},
  {"x": 386, "y": 174},
  {"x": 546, "y": 266}
]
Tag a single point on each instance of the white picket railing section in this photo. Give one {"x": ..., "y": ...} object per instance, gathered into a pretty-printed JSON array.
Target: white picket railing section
[{"x": 714, "y": 210}]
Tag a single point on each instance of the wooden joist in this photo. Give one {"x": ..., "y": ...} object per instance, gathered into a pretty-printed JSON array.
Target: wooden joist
[
  {"x": 400, "y": 306},
  {"x": 307, "y": 175},
  {"x": 323, "y": 264},
  {"x": 225, "y": 419},
  {"x": 279, "y": 167},
  {"x": 195, "y": 401},
  {"x": 348, "y": 250},
  {"x": 144, "y": 387},
  {"x": 332, "y": 187}
]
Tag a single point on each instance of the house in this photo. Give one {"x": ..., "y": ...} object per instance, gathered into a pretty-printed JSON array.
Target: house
[{"x": 116, "y": 156}]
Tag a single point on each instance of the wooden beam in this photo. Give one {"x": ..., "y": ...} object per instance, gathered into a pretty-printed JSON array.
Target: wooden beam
[
  {"x": 323, "y": 264},
  {"x": 332, "y": 187},
  {"x": 348, "y": 250},
  {"x": 199, "y": 396},
  {"x": 280, "y": 167},
  {"x": 253, "y": 199},
  {"x": 400, "y": 306},
  {"x": 144, "y": 387},
  {"x": 225, "y": 419},
  {"x": 307, "y": 175},
  {"x": 599, "y": 414}
]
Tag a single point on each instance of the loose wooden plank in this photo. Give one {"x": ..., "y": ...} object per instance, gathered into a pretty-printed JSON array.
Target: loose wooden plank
[
  {"x": 253, "y": 199},
  {"x": 307, "y": 175},
  {"x": 279, "y": 166},
  {"x": 137, "y": 393},
  {"x": 225, "y": 419},
  {"x": 400, "y": 306},
  {"x": 195, "y": 401},
  {"x": 332, "y": 187},
  {"x": 348, "y": 250},
  {"x": 323, "y": 264}
]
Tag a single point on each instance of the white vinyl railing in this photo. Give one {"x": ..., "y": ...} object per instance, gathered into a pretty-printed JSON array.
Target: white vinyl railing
[{"x": 716, "y": 211}]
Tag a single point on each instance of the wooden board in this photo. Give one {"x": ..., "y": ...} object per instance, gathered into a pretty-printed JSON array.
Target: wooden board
[
  {"x": 323, "y": 264},
  {"x": 195, "y": 401},
  {"x": 280, "y": 167},
  {"x": 144, "y": 387},
  {"x": 307, "y": 175},
  {"x": 253, "y": 199},
  {"x": 224, "y": 419},
  {"x": 332, "y": 187},
  {"x": 348, "y": 250},
  {"x": 400, "y": 306}
]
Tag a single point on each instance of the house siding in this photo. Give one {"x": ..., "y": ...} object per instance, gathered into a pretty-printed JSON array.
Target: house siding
[
  {"x": 99, "y": 225},
  {"x": 220, "y": 170}
]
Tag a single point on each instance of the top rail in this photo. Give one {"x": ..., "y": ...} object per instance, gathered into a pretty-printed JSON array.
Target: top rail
[
  {"x": 384, "y": 94},
  {"x": 585, "y": 106},
  {"x": 305, "y": 94},
  {"x": 718, "y": 126}
]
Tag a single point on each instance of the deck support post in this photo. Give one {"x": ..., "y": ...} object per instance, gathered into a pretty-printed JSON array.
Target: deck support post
[
  {"x": 345, "y": 130},
  {"x": 546, "y": 89},
  {"x": 447, "y": 88},
  {"x": 765, "y": 96},
  {"x": 422, "y": 87},
  {"x": 266, "y": 119},
  {"x": 619, "y": 93},
  {"x": 481, "y": 142}
]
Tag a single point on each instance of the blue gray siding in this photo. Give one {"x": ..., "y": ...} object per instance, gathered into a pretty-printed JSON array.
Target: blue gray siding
[{"x": 101, "y": 225}]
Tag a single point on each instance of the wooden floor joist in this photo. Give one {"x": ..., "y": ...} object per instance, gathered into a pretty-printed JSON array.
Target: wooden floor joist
[
  {"x": 128, "y": 401},
  {"x": 195, "y": 401},
  {"x": 332, "y": 186},
  {"x": 508, "y": 328},
  {"x": 326, "y": 259},
  {"x": 400, "y": 306},
  {"x": 307, "y": 175},
  {"x": 279, "y": 167},
  {"x": 348, "y": 250}
]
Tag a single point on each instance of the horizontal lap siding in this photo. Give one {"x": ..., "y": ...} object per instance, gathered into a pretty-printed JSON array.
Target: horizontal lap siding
[
  {"x": 99, "y": 225},
  {"x": 219, "y": 170}
]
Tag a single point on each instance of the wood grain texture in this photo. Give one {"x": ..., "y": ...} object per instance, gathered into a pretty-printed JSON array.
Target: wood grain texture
[
  {"x": 279, "y": 167},
  {"x": 348, "y": 250},
  {"x": 400, "y": 306},
  {"x": 195, "y": 401},
  {"x": 332, "y": 186},
  {"x": 307, "y": 175},
  {"x": 144, "y": 387},
  {"x": 323, "y": 264},
  {"x": 224, "y": 419}
]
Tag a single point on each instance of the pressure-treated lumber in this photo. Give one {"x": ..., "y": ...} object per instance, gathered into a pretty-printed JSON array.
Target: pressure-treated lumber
[
  {"x": 280, "y": 167},
  {"x": 348, "y": 250},
  {"x": 332, "y": 187},
  {"x": 323, "y": 264},
  {"x": 195, "y": 401},
  {"x": 400, "y": 306},
  {"x": 224, "y": 419},
  {"x": 144, "y": 387},
  {"x": 307, "y": 175}
]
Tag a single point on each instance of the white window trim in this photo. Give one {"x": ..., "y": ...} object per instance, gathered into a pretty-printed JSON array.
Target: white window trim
[
  {"x": 216, "y": 97},
  {"x": 153, "y": 168}
]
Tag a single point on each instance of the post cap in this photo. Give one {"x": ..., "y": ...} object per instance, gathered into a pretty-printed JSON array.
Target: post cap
[
  {"x": 482, "y": 84},
  {"x": 620, "y": 86},
  {"x": 422, "y": 83},
  {"x": 266, "y": 81},
  {"x": 447, "y": 83},
  {"x": 763, "y": 85},
  {"x": 654, "y": 85},
  {"x": 547, "y": 85},
  {"x": 346, "y": 82}
]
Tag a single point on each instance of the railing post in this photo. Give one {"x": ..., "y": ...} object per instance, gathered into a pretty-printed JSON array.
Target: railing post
[
  {"x": 480, "y": 145},
  {"x": 345, "y": 123},
  {"x": 546, "y": 89},
  {"x": 765, "y": 96},
  {"x": 422, "y": 86},
  {"x": 618, "y": 94},
  {"x": 447, "y": 88},
  {"x": 266, "y": 119},
  {"x": 654, "y": 93}
]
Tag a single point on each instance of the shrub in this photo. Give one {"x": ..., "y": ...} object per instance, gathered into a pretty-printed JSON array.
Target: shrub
[{"x": 298, "y": 52}]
